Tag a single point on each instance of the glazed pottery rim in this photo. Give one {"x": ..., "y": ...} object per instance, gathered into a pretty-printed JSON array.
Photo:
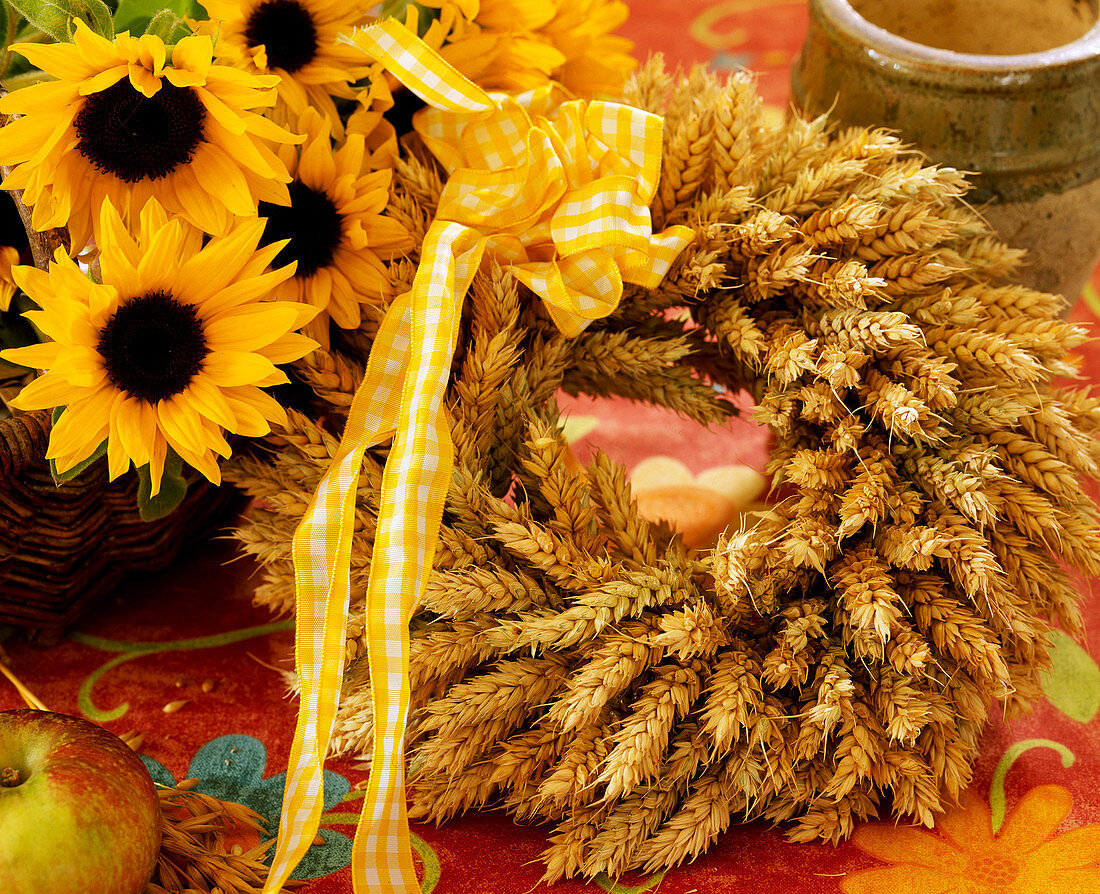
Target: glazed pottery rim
[{"x": 890, "y": 47}]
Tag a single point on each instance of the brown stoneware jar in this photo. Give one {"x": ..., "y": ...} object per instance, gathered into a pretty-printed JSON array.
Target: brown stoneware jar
[{"x": 1007, "y": 89}]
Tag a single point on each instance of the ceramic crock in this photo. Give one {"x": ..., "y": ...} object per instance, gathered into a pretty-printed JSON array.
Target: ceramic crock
[{"x": 1009, "y": 89}]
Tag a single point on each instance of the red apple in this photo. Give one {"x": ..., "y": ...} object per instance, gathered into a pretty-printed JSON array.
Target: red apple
[{"x": 78, "y": 810}]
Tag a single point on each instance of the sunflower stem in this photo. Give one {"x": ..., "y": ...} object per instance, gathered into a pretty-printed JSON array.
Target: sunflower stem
[{"x": 13, "y": 20}]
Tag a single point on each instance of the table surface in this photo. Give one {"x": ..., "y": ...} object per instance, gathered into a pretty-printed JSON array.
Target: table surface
[{"x": 163, "y": 636}]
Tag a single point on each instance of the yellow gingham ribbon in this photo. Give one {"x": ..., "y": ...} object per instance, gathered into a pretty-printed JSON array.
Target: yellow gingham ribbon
[{"x": 558, "y": 191}]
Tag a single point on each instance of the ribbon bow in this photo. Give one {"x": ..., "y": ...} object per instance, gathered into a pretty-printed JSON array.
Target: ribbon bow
[{"x": 558, "y": 190}]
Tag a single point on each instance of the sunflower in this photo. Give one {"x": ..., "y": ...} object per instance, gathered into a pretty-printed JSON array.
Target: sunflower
[
  {"x": 338, "y": 235},
  {"x": 122, "y": 124},
  {"x": 297, "y": 40},
  {"x": 369, "y": 120},
  {"x": 515, "y": 45},
  {"x": 171, "y": 349},
  {"x": 597, "y": 61}
]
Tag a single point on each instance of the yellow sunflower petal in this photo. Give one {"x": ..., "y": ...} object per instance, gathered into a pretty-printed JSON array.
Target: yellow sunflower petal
[
  {"x": 266, "y": 129},
  {"x": 181, "y": 425},
  {"x": 118, "y": 460},
  {"x": 81, "y": 428},
  {"x": 246, "y": 290},
  {"x": 364, "y": 271},
  {"x": 226, "y": 180},
  {"x": 316, "y": 166},
  {"x": 45, "y": 393},
  {"x": 198, "y": 204},
  {"x": 202, "y": 460},
  {"x": 289, "y": 348},
  {"x": 255, "y": 411},
  {"x": 24, "y": 138},
  {"x": 193, "y": 54},
  {"x": 251, "y": 327},
  {"x": 31, "y": 280},
  {"x": 160, "y": 255},
  {"x": 384, "y": 233},
  {"x": 37, "y": 356},
  {"x": 206, "y": 464},
  {"x": 245, "y": 152},
  {"x": 133, "y": 423},
  {"x": 262, "y": 402},
  {"x": 230, "y": 368},
  {"x": 95, "y": 48},
  {"x": 62, "y": 60},
  {"x": 158, "y": 453},
  {"x": 153, "y": 219},
  {"x": 81, "y": 365},
  {"x": 151, "y": 53},
  {"x": 202, "y": 276},
  {"x": 207, "y": 398},
  {"x": 220, "y": 112},
  {"x": 215, "y": 438},
  {"x": 121, "y": 256},
  {"x": 278, "y": 377},
  {"x": 144, "y": 81},
  {"x": 104, "y": 79}
]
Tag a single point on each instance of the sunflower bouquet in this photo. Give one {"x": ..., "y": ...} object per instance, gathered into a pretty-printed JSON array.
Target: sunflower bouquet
[
  {"x": 206, "y": 189},
  {"x": 209, "y": 194}
]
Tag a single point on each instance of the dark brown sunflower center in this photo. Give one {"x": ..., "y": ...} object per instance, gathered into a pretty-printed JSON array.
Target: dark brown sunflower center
[
  {"x": 153, "y": 347},
  {"x": 286, "y": 30},
  {"x": 311, "y": 223},
  {"x": 135, "y": 137}
]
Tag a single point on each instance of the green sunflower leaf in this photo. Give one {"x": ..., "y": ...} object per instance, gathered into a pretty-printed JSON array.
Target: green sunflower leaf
[
  {"x": 138, "y": 16},
  {"x": 49, "y": 17},
  {"x": 85, "y": 463},
  {"x": 173, "y": 488},
  {"x": 96, "y": 15},
  {"x": 55, "y": 17}
]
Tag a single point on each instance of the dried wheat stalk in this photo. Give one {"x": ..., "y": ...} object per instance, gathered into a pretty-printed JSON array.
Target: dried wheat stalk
[{"x": 575, "y": 664}]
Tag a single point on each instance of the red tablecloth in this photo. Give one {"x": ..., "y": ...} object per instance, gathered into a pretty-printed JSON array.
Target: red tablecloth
[{"x": 165, "y": 635}]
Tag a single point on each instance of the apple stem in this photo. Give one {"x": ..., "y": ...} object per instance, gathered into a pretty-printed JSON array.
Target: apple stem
[{"x": 10, "y": 777}]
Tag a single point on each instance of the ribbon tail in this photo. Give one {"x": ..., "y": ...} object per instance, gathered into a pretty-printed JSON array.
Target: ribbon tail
[
  {"x": 322, "y": 561},
  {"x": 382, "y": 853},
  {"x": 414, "y": 490}
]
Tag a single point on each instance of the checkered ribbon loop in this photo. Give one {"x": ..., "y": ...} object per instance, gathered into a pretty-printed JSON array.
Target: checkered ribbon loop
[{"x": 558, "y": 191}]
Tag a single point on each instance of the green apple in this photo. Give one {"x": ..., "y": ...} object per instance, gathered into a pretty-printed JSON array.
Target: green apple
[{"x": 78, "y": 810}]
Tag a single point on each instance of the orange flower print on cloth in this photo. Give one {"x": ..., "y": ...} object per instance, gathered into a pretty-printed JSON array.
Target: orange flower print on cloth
[{"x": 1025, "y": 857}]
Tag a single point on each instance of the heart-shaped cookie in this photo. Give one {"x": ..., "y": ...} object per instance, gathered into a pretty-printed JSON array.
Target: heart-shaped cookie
[{"x": 699, "y": 506}]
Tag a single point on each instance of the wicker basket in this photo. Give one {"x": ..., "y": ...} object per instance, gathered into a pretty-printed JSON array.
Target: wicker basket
[{"x": 64, "y": 546}]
